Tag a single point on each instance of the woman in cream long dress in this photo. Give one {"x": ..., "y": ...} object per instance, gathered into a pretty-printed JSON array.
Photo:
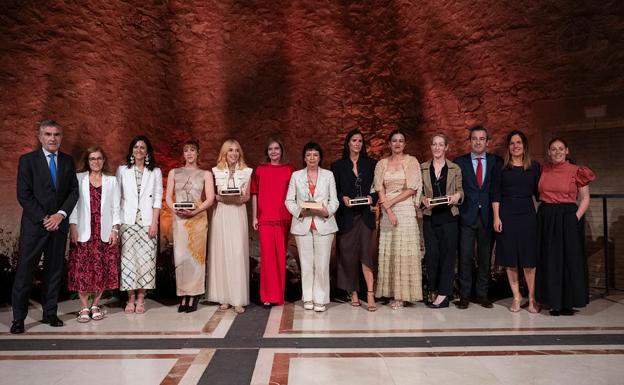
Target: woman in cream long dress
[
  {"x": 398, "y": 181},
  {"x": 228, "y": 266}
]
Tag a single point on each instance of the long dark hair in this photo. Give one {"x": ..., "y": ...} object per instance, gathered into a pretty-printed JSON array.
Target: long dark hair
[
  {"x": 150, "y": 152},
  {"x": 526, "y": 157},
  {"x": 397, "y": 131},
  {"x": 345, "y": 150}
]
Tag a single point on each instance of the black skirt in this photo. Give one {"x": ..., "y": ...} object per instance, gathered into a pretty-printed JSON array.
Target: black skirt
[
  {"x": 354, "y": 249},
  {"x": 561, "y": 277}
]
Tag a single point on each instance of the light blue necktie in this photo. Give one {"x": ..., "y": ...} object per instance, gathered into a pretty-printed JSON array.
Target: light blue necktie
[{"x": 53, "y": 168}]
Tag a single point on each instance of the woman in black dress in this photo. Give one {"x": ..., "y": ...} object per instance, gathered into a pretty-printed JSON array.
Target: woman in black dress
[
  {"x": 514, "y": 185},
  {"x": 354, "y": 177}
]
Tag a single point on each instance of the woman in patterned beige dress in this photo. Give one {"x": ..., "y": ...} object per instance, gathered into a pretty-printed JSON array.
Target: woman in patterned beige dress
[
  {"x": 141, "y": 199},
  {"x": 398, "y": 181},
  {"x": 190, "y": 226}
]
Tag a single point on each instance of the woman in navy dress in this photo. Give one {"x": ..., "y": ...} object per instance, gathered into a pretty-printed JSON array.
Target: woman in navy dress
[{"x": 514, "y": 185}]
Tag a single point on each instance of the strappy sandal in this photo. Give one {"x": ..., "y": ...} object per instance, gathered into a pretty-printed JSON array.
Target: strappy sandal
[
  {"x": 396, "y": 305},
  {"x": 224, "y": 306},
  {"x": 370, "y": 307},
  {"x": 533, "y": 307},
  {"x": 96, "y": 313},
  {"x": 140, "y": 308},
  {"x": 355, "y": 303},
  {"x": 83, "y": 315},
  {"x": 515, "y": 305},
  {"x": 239, "y": 309},
  {"x": 130, "y": 307}
]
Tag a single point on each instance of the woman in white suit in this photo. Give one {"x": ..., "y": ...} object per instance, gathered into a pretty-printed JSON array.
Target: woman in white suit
[
  {"x": 313, "y": 228},
  {"x": 141, "y": 199},
  {"x": 93, "y": 233}
]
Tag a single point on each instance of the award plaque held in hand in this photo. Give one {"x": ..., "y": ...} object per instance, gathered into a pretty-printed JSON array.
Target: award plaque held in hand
[
  {"x": 311, "y": 205},
  {"x": 230, "y": 191},
  {"x": 438, "y": 201},
  {"x": 359, "y": 201},
  {"x": 186, "y": 204}
]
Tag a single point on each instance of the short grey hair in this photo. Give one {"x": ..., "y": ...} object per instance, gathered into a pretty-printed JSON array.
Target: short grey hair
[{"x": 48, "y": 123}]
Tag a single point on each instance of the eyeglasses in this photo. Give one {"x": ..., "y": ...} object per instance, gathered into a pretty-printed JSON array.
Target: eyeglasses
[{"x": 98, "y": 159}]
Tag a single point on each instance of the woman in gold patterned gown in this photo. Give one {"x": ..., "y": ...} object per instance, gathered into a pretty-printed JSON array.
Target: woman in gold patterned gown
[
  {"x": 398, "y": 181},
  {"x": 190, "y": 226}
]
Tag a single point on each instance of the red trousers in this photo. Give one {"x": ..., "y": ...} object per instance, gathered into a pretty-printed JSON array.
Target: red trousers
[{"x": 273, "y": 243}]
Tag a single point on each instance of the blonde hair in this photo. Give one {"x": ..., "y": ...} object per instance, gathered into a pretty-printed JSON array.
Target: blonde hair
[
  {"x": 222, "y": 160},
  {"x": 440, "y": 135}
]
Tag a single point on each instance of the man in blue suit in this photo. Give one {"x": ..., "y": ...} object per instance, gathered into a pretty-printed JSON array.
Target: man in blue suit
[
  {"x": 47, "y": 190},
  {"x": 476, "y": 218}
]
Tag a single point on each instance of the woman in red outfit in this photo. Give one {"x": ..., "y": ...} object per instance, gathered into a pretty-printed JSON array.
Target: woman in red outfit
[
  {"x": 561, "y": 276},
  {"x": 272, "y": 220},
  {"x": 94, "y": 233}
]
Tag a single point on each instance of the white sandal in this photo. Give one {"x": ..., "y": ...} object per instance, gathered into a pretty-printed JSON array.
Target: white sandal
[
  {"x": 83, "y": 315},
  {"x": 96, "y": 313}
]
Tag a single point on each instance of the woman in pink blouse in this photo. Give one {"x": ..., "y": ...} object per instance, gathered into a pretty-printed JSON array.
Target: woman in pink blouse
[{"x": 561, "y": 276}]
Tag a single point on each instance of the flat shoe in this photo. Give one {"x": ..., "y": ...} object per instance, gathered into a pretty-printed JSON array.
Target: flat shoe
[
  {"x": 130, "y": 307},
  {"x": 96, "y": 313},
  {"x": 140, "y": 308},
  {"x": 83, "y": 315}
]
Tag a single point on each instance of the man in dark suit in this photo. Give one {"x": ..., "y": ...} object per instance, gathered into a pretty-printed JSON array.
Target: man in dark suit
[
  {"x": 47, "y": 190},
  {"x": 476, "y": 218}
]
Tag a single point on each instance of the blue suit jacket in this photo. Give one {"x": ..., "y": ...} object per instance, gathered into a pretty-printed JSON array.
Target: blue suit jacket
[{"x": 476, "y": 200}]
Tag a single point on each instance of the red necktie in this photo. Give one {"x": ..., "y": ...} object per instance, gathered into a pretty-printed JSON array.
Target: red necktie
[{"x": 479, "y": 172}]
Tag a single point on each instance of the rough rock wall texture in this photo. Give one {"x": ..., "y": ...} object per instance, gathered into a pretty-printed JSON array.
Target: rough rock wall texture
[{"x": 306, "y": 70}]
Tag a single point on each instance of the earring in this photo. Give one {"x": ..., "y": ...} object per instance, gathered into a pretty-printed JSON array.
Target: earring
[
  {"x": 147, "y": 159},
  {"x": 131, "y": 159}
]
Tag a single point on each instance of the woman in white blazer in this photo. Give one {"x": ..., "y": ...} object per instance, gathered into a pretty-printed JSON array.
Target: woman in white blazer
[
  {"x": 141, "y": 199},
  {"x": 313, "y": 228},
  {"x": 93, "y": 233}
]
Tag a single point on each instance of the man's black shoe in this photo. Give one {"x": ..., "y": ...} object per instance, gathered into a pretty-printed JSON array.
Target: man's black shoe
[
  {"x": 53, "y": 320},
  {"x": 462, "y": 303},
  {"x": 17, "y": 327},
  {"x": 485, "y": 302}
]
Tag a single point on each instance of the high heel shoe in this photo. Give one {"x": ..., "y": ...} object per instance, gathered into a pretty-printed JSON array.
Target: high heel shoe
[
  {"x": 445, "y": 303},
  {"x": 193, "y": 307},
  {"x": 183, "y": 304},
  {"x": 370, "y": 307}
]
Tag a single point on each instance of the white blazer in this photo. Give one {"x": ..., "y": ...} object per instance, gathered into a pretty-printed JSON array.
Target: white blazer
[
  {"x": 109, "y": 207},
  {"x": 325, "y": 192},
  {"x": 150, "y": 198}
]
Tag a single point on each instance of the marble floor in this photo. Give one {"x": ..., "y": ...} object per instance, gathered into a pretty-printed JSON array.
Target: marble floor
[{"x": 344, "y": 345}]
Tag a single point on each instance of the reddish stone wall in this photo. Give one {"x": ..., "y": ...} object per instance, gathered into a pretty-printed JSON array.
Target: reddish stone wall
[{"x": 305, "y": 70}]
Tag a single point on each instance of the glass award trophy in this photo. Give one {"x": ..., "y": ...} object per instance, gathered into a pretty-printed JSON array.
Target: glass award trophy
[
  {"x": 230, "y": 190},
  {"x": 360, "y": 199},
  {"x": 439, "y": 200},
  {"x": 186, "y": 204}
]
